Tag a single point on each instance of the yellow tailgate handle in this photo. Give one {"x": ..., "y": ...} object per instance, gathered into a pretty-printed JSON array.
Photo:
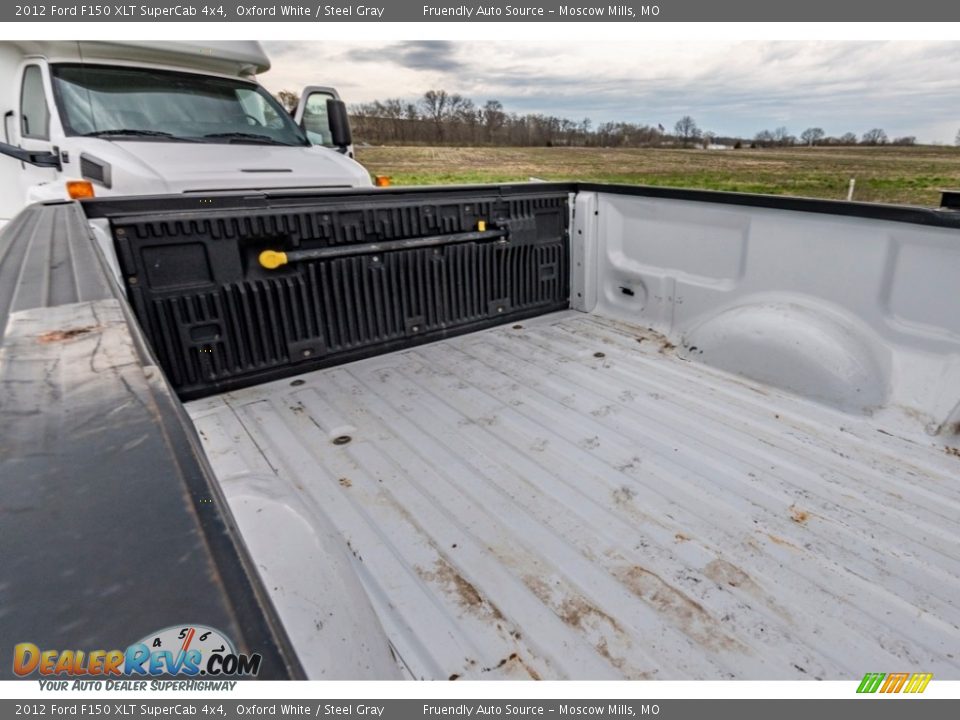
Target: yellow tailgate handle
[{"x": 272, "y": 259}]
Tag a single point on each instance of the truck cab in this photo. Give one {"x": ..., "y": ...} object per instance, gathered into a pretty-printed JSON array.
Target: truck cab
[{"x": 97, "y": 119}]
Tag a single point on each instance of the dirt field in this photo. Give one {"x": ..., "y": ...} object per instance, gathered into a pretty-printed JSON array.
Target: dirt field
[{"x": 911, "y": 175}]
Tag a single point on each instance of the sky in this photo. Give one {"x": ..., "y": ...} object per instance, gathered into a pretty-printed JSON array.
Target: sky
[{"x": 730, "y": 88}]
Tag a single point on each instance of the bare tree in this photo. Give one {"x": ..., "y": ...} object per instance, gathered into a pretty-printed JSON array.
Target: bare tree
[
  {"x": 874, "y": 137},
  {"x": 392, "y": 110},
  {"x": 763, "y": 138},
  {"x": 289, "y": 99},
  {"x": 783, "y": 137},
  {"x": 434, "y": 104},
  {"x": 687, "y": 130},
  {"x": 493, "y": 118},
  {"x": 439, "y": 106},
  {"x": 848, "y": 139},
  {"x": 811, "y": 136},
  {"x": 905, "y": 140}
]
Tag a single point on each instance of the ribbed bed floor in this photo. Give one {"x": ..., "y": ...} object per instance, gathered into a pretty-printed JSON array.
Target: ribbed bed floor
[{"x": 568, "y": 498}]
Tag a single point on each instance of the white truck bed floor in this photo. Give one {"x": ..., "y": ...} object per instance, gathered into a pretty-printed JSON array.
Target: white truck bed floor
[{"x": 571, "y": 499}]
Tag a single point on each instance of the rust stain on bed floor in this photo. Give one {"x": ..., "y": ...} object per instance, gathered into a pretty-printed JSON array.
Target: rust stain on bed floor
[
  {"x": 726, "y": 573},
  {"x": 650, "y": 335},
  {"x": 799, "y": 516},
  {"x": 513, "y": 663},
  {"x": 679, "y": 608},
  {"x": 781, "y": 541},
  {"x": 574, "y": 610},
  {"x": 580, "y": 614},
  {"x": 463, "y": 590},
  {"x": 63, "y": 335}
]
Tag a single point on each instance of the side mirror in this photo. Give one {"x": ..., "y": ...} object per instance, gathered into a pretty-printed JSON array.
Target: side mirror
[
  {"x": 340, "y": 134},
  {"x": 39, "y": 158}
]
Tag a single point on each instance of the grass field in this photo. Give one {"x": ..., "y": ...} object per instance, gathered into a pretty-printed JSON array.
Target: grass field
[{"x": 911, "y": 175}]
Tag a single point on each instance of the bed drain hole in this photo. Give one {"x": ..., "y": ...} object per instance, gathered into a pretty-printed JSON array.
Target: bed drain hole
[
  {"x": 599, "y": 354},
  {"x": 342, "y": 439},
  {"x": 295, "y": 383}
]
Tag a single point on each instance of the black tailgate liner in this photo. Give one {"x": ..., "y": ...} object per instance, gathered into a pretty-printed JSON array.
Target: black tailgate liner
[{"x": 217, "y": 320}]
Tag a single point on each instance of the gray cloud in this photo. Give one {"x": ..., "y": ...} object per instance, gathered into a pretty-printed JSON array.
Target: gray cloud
[{"x": 438, "y": 55}]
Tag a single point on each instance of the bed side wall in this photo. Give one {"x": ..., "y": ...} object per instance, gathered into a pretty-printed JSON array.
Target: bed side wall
[{"x": 858, "y": 313}]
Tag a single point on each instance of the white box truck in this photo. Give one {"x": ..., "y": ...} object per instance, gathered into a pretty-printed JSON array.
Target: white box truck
[{"x": 98, "y": 119}]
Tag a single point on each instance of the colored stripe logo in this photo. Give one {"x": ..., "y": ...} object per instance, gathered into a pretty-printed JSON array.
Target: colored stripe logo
[{"x": 894, "y": 682}]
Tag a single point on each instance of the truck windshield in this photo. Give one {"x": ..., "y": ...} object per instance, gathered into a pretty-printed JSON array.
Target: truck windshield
[{"x": 124, "y": 103}]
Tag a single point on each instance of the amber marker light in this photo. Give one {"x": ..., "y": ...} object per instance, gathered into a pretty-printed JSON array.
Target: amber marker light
[{"x": 79, "y": 189}]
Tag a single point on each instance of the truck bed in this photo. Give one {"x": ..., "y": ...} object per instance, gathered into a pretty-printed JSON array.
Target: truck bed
[{"x": 567, "y": 497}]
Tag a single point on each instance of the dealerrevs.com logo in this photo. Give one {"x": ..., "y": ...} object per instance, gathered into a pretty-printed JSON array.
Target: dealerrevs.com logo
[{"x": 183, "y": 650}]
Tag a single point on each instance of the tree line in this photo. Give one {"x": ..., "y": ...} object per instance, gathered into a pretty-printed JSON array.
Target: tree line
[{"x": 444, "y": 118}]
